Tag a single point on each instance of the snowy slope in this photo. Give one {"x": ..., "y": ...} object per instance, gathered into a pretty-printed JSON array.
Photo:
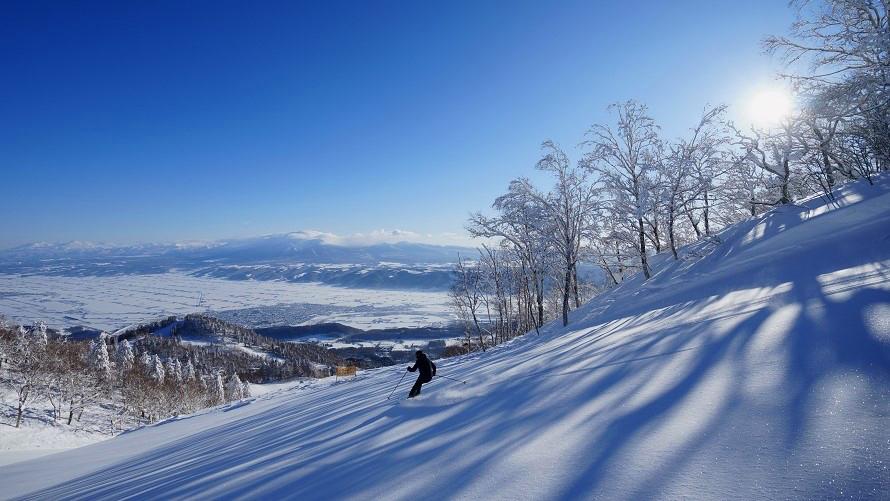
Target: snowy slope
[{"x": 758, "y": 368}]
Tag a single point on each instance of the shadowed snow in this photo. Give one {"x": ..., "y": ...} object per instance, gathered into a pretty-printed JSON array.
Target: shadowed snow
[{"x": 757, "y": 368}]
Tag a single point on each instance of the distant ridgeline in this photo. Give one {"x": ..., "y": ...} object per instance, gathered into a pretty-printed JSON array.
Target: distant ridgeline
[{"x": 402, "y": 266}]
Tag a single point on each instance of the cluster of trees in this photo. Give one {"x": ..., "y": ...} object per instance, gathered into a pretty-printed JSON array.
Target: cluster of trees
[
  {"x": 150, "y": 371},
  {"x": 278, "y": 359},
  {"x": 633, "y": 193},
  {"x": 140, "y": 382}
]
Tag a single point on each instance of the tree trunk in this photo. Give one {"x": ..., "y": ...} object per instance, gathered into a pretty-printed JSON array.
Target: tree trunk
[
  {"x": 566, "y": 291},
  {"x": 575, "y": 285},
  {"x": 786, "y": 198},
  {"x": 705, "y": 211},
  {"x": 643, "y": 259},
  {"x": 608, "y": 270},
  {"x": 694, "y": 224},
  {"x": 539, "y": 299},
  {"x": 826, "y": 161},
  {"x": 478, "y": 331},
  {"x": 620, "y": 261},
  {"x": 70, "y": 410},
  {"x": 671, "y": 238}
]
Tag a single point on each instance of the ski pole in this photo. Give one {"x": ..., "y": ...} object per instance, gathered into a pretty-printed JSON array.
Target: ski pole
[
  {"x": 397, "y": 384},
  {"x": 451, "y": 378}
]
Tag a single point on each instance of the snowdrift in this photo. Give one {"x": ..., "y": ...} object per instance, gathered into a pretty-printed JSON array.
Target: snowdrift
[{"x": 756, "y": 367}]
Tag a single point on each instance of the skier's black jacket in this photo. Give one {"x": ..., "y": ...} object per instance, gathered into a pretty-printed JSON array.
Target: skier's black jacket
[{"x": 426, "y": 366}]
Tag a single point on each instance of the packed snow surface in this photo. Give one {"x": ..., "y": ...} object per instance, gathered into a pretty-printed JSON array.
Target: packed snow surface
[{"x": 754, "y": 368}]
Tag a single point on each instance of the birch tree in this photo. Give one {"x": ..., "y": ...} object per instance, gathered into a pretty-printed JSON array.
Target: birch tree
[{"x": 624, "y": 157}]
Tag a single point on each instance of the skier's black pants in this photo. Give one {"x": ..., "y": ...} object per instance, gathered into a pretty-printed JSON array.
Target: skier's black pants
[{"x": 415, "y": 390}]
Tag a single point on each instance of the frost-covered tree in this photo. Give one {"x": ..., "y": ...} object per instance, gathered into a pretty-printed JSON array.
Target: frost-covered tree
[
  {"x": 99, "y": 359},
  {"x": 177, "y": 371},
  {"x": 125, "y": 359},
  {"x": 846, "y": 44},
  {"x": 624, "y": 157},
  {"x": 170, "y": 371},
  {"x": 569, "y": 209},
  {"x": 838, "y": 58},
  {"x": 773, "y": 151},
  {"x": 219, "y": 390},
  {"x": 6, "y": 337},
  {"x": 147, "y": 362},
  {"x": 519, "y": 224},
  {"x": 234, "y": 388},
  {"x": 189, "y": 373},
  {"x": 26, "y": 371},
  {"x": 39, "y": 332},
  {"x": 157, "y": 370},
  {"x": 466, "y": 295},
  {"x": 690, "y": 175}
]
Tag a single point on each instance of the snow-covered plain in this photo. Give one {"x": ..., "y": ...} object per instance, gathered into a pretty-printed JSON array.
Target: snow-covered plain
[
  {"x": 758, "y": 368},
  {"x": 112, "y": 302}
]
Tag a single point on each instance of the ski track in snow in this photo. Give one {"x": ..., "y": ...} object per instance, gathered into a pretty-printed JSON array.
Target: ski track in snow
[{"x": 756, "y": 371}]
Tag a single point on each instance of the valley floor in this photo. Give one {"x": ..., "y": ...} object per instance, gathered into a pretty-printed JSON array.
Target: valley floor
[{"x": 113, "y": 302}]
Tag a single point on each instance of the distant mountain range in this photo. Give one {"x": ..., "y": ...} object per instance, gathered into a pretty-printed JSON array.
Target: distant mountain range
[
  {"x": 299, "y": 247},
  {"x": 295, "y": 257}
]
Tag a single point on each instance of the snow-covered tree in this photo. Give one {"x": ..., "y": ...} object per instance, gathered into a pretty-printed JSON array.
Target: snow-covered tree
[
  {"x": 773, "y": 151},
  {"x": 27, "y": 364},
  {"x": 846, "y": 44},
  {"x": 569, "y": 209},
  {"x": 170, "y": 371},
  {"x": 234, "y": 388},
  {"x": 838, "y": 56},
  {"x": 189, "y": 374},
  {"x": 466, "y": 298},
  {"x": 519, "y": 224},
  {"x": 624, "y": 157},
  {"x": 690, "y": 175},
  {"x": 124, "y": 356},
  {"x": 157, "y": 369},
  {"x": 39, "y": 333},
  {"x": 219, "y": 390},
  {"x": 99, "y": 359},
  {"x": 147, "y": 362}
]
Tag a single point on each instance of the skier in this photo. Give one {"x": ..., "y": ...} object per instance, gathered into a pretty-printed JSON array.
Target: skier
[{"x": 427, "y": 371}]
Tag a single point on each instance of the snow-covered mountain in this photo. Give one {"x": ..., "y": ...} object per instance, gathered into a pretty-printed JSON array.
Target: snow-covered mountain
[
  {"x": 756, "y": 367},
  {"x": 296, "y": 257}
]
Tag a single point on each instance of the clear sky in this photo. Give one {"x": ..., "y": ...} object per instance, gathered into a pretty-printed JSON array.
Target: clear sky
[{"x": 163, "y": 121}]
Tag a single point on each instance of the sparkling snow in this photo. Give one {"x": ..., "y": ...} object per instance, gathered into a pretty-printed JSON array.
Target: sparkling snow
[{"x": 754, "y": 371}]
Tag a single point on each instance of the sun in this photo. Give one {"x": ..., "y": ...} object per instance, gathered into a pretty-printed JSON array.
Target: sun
[{"x": 768, "y": 106}]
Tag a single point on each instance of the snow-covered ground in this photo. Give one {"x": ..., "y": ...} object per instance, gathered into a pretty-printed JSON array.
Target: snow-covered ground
[
  {"x": 115, "y": 301},
  {"x": 758, "y": 370},
  {"x": 39, "y": 434}
]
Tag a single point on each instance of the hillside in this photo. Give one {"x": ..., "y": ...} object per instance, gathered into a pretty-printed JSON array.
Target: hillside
[{"x": 756, "y": 367}]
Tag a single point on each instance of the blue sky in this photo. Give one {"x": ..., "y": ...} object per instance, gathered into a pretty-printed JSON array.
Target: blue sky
[{"x": 126, "y": 122}]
